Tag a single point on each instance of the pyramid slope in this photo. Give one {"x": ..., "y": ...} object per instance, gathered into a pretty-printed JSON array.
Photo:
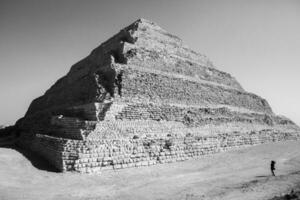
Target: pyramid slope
[{"x": 144, "y": 83}]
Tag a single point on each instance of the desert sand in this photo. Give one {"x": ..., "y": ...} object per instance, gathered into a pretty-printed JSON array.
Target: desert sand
[{"x": 238, "y": 174}]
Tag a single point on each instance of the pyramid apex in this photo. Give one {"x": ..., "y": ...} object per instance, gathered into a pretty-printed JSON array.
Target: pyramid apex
[{"x": 143, "y": 20}]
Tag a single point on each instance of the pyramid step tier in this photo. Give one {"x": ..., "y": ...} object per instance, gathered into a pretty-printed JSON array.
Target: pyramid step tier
[
  {"x": 138, "y": 85},
  {"x": 129, "y": 120}
]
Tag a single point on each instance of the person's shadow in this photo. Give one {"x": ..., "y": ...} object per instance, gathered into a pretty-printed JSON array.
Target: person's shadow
[{"x": 262, "y": 176}]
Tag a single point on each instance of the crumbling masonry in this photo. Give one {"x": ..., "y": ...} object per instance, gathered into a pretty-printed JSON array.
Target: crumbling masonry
[{"x": 143, "y": 98}]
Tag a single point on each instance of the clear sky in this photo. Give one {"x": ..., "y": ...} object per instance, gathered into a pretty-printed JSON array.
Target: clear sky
[{"x": 257, "y": 41}]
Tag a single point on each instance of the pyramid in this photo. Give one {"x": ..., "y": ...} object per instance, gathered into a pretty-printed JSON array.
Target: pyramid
[{"x": 143, "y": 98}]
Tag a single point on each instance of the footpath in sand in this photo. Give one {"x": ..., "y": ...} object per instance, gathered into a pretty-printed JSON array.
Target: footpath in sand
[{"x": 240, "y": 174}]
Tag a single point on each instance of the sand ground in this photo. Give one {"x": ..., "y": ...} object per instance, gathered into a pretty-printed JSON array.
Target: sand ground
[{"x": 240, "y": 174}]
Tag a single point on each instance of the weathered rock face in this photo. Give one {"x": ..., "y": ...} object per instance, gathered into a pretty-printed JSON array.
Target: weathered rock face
[{"x": 142, "y": 96}]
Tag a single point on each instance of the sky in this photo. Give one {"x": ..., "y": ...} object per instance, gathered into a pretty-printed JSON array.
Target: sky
[{"x": 257, "y": 41}]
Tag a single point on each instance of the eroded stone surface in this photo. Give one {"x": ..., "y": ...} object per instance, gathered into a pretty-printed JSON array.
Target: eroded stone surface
[{"x": 141, "y": 98}]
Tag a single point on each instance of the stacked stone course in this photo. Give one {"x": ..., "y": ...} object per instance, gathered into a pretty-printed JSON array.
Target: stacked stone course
[
  {"x": 143, "y": 86},
  {"x": 95, "y": 156}
]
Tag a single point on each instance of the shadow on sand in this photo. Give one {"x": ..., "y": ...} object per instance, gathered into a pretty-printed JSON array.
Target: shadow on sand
[
  {"x": 9, "y": 137},
  {"x": 263, "y": 176},
  {"x": 36, "y": 160}
]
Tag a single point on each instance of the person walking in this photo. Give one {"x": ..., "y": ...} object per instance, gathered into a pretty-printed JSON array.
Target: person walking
[{"x": 273, "y": 167}]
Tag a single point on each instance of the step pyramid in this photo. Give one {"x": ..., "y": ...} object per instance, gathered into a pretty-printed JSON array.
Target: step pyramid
[{"x": 142, "y": 98}]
